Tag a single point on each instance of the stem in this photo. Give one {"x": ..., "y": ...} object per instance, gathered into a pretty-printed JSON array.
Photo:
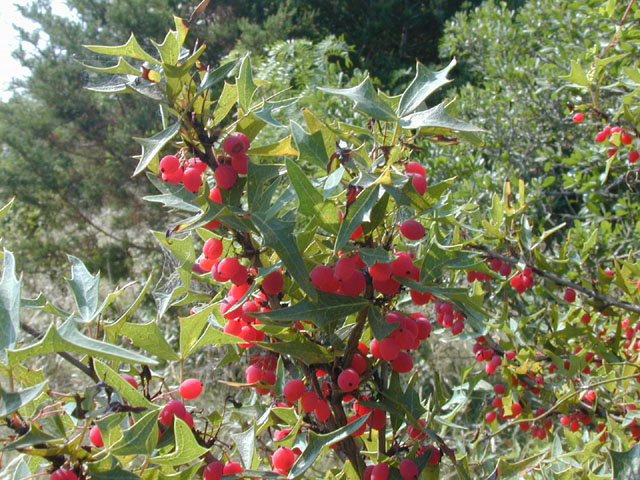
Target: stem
[{"x": 561, "y": 281}]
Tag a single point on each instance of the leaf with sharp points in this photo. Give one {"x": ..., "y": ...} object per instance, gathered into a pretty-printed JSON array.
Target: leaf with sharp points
[
  {"x": 245, "y": 443},
  {"x": 149, "y": 337},
  {"x": 122, "y": 67},
  {"x": 266, "y": 111},
  {"x": 187, "y": 447},
  {"x": 34, "y": 436},
  {"x": 375, "y": 255},
  {"x": 216, "y": 76},
  {"x": 131, "y": 49},
  {"x": 328, "y": 309},
  {"x": 576, "y": 75},
  {"x": 245, "y": 84},
  {"x": 181, "y": 248},
  {"x": 308, "y": 196},
  {"x": 436, "y": 117},
  {"x": 301, "y": 348},
  {"x": 9, "y": 304},
  {"x": 173, "y": 196},
  {"x": 515, "y": 470},
  {"x": 317, "y": 442},
  {"x": 279, "y": 236},
  {"x": 367, "y": 100},
  {"x": 152, "y": 146},
  {"x": 311, "y": 147},
  {"x": 358, "y": 212},
  {"x": 379, "y": 325},
  {"x": 169, "y": 49},
  {"x": 68, "y": 338},
  {"x": 112, "y": 472},
  {"x": 227, "y": 100},
  {"x": 258, "y": 177},
  {"x": 281, "y": 148},
  {"x": 129, "y": 393},
  {"x": 626, "y": 465},
  {"x": 12, "y": 401},
  {"x": 191, "y": 329},
  {"x": 85, "y": 288},
  {"x": 214, "y": 336},
  {"x": 43, "y": 304},
  {"x": 424, "y": 84},
  {"x": 139, "y": 439}
]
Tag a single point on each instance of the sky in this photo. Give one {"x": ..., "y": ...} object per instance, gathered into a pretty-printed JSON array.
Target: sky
[{"x": 9, "y": 15}]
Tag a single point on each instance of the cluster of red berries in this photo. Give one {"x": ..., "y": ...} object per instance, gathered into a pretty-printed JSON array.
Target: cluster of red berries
[
  {"x": 449, "y": 317},
  {"x": 310, "y": 402},
  {"x": 497, "y": 265},
  {"x": 226, "y": 172},
  {"x": 215, "y": 470},
  {"x": 523, "y": 280},
  {"x": 261, "y": 370},
  {"x": 617, "y": 137},
  {"x": 484, "y": 353},
  {"x": 407, "y": 467},
  {"x": 418, "y": 176}
]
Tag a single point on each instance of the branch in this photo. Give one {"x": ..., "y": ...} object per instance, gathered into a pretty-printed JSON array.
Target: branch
[
  {"x": 560, "y": 281},
  {"x": 72, "y": 360}
]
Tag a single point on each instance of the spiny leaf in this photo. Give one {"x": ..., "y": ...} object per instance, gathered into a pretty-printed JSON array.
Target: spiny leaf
[
  {"x": 9, "y": 304},
  {"x": 187, "y": 447},
  {"x": 152, "y": 146},
  {"x": 12, "y": 401},
  {"x": 366, "y": 100},
  {"x": 131, "y": 49},
  {"x": 436, "y": 117},
  {"x": 424, "y": 84},
  {"x": 85, "y": 288}
]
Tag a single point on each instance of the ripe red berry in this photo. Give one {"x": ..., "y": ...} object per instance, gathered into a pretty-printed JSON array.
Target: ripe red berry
[
  {"x": 227, "y": 268},
  {"x": 253, "y": 374},
  {"x": 192, "y": 179},
  {"x": 283, "y": 458},
  {"x": 212, "y": 248},
  {"x": 63, "y": 474},
  {"x": 403, "y": 363},
  {"x": 380, "y": 271},
  {"x": 132, "y": 381},
  {"x": 232, "y": 468},
  {"x": 96, "y": 436},
  {"x": 412, "y": 230},
  {"x": 419, "y": 183},
  {"x": 601, "y": 136},
  {"x": 625, "y": 138},
  {"x": 236, "y": 144},
  {"x": 225, "y": 176},
  {"x": 389, "y": 349},
  {"x": 240, "y": 163},
  {"x": 309, "y": 400},
  {"x": 359, "y": 363},
  {"x": 171, "y": 409},
  {"x": 322, "y": 411},
  {"x": 633, "y": 156},
  {"x": 570, "y": 295},
  {"x": 191, "y": 388},
  {"x": 293, "y": 390},
  {"x": 415, "y": 432},
  {"x": 578, "y": 117},
  {"x": 490, "y": 416},
  {"x": 213, "y": 471},
  {"x": 344, "y": 268},
  {"x": 273, "y": 283},
  {"x": 354, "y": 286},
  {"x": 348, "y": 380},
  {"x": 169, "y": 164},
  {"x": 380, "y": 472},
  {"x": 433, "y": 452},
  {"x": 408, "y": 469},
  {"x": 415, "y": 168},
  {"x": 378, "y": 418}
]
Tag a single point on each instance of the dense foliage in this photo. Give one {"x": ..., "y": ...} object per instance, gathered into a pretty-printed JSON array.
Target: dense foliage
[{"x": 330, "y": 241}]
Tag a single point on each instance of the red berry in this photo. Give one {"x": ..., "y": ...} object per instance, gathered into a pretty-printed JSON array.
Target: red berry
[
  {"x": 191, "y": 388},
  {"x": 626, "y": 139},
  {"x": 171, "y": 409},
  {"x": 570, "y": 295},
  {"x": 359, "y": 363},
  {"x": 490, "y": 416},
  {"x": 345, "y": 268},
  {"x": 213, "y": 471},
  {"x": 173, "y": 178},
  {"x": 412, "y": 230},
  {"x": 403, "y": 363},
  {"x": 228, "y": 268},
  {"x": 96, "y": 436},
  {"x": 419, "y": 182},
  {"x": 322, "y": 411},
  {"x": 169, "y": 164},
  {"x": 354, "y": 286},
  {"x": 578, "y": 117},
  {"x": 380, "y": 271},
  {"x": 293, "y": 390},
  {"x": 380, "y": 472},
  {"x": 408, "y": 469},
  {"x": 433, "y": 452},
  {"x": 633, "y": 156},
  {"x": 273, "y": 283},
  {"x": 236, "y": 144},
  {"x": 232, "y": 468},
  {"x": 63, "y": 474},
  {"x": 415, "y": 432},
  {"x": 499, "y": 389},
  {"x": 283, "y": 458},
  {"x": 253, "y": 373},
  {"x": 601, "y": 136},
  {"x": 212, "y": 248},
  {"x": 322, "y": 277},
  {"x": 389, "y": 349},
  {"x": 240, "y": 163},
  {"x": 348, "y": 380},
  {"x": 130, "y": 379},
  {"x": 225, "y": 176},
  {"x": 378, "y": 418},
  {"x": 309, "y": 400},
  {"x": 415, "y": 168},
  {"x": 192, "y": 179}
]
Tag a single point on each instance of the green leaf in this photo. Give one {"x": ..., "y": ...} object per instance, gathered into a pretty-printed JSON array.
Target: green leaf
[
  {"x": 149, "y": 337},
  {"x": 130, "y": 394},
  {"x": 151, "y": 146},
  {"x": 576, "y": 75},
  {"x": 308, "y": 196},
  {"x": 258, "y": 177},
  {"x": 311, "y": 147},
  {"x": 329, "y": 308},
  {"x": 187, "y": 447},
  {"x": 130, "y": 49},
  {"x": 245, "y": 445},
  {"x": 225, "y": 103},
  {"x": 626, "y": 465},
  {"x": 379, "y": 325},
  {"x": 424, "y": 84},
  {"x": 279, "y": 236},
  {"x": 436, "y": 117},
  {"x": 211, "y": 78},
  {"x": 111, "y": 472},
  {"x": 22, "y": 471},
  {"x": 281, "y": 148},
  {"x": 68, "y": 338},
  {"x": 191, "y": 328},
  {"x": 169, "y": 49},
  {"x": 85, "y": 288},
  {"x": 317, "y": 442},
  {"x": 515, "y": 470},
  {"x": 358, "y": 212},
  {"x": 139, "y": 439},
  {"x": 9, "y": 305},
  {"x": 332, "y": 182},
  {"x": 173, "y": 196},
  {"x": 12, "y": 401},
  {"x": 244, "y": 82},
  {"x": 34, "y": 436},
  {"x": 7, "y": 207},
  {"x": 265, "y": 113},
  {"x": 214, "y": 336},
  {"x": 367, "y": 100},
  {"x": 375, "y": 255},
  {"x": 122, "y": 67},
  {"x": 301, "y": 348}
]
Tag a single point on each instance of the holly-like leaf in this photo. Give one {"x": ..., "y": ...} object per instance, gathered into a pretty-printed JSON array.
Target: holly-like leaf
[
  {"x": 122, "y": 67},
  {"x": 129, "y": 393},
  {"x": 245, "y": 84},
  {"x": 358, "y": 213},
  {"x": 626, "y": 465},
  {"x": 85, "y": 288},
  {"x": 281, "y": 148},
  {"x": 152, "y": 146},
  {"x": 245, "y": 444},
  {"x": 191, "y": 328},
  {"x": 9, "y": 304},
  {"x": 424, "y": 84},
  {"x": 308, "y": 196},
  {"x": 310, "y": 146},
  {"x": 12, "y": 401},
  {"x": 131, "y": 49},
  {"x": 266, "y": 111},
  {"x": 301, "y": 348},
  {"x": 187, "y": 447},
  {"x": 367, "y": 100},
  {"x": 139, "y": 439},
  {"x": 436, "y": 117}
]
